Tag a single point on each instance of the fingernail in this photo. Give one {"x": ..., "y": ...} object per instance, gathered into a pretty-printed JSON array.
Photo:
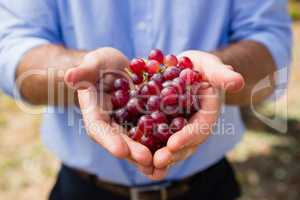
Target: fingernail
[
  {"x": 146, "y": 170},
  {"x": 230, "y": 86},
  {"x": 70, "y": 78}
]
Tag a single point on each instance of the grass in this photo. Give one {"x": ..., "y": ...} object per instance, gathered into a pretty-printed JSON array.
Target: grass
[
  {"x": 25, "y": 167},
  {"x": 294, "y": 9},
  {"x": 267, "y": 163}
]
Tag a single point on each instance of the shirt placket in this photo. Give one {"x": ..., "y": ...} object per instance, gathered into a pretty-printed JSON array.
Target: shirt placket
[{"x": 142, "y": 26}]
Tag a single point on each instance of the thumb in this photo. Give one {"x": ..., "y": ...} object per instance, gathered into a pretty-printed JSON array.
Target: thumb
[
  {"x": 88, "y": 71},
  {"x": 224, "y": 77},
  {"x": 107, "y": 60}
]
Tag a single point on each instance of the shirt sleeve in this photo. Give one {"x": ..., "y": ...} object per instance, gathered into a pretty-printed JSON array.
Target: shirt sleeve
[
  {"x": 23, "y": 26},
  {"x": 267, "y": 22}
]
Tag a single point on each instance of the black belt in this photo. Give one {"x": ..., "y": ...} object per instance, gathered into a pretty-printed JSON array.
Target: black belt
[{"x": 164, "y": 190}]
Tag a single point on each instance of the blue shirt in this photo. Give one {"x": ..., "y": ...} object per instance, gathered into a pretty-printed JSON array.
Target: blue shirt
[{"x": 135, "y": 27}]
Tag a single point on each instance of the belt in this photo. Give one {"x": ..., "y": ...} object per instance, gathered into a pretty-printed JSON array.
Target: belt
[{"x": 165, "y": 190}]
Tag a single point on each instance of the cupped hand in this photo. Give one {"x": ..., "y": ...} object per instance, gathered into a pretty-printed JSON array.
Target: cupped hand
[
  {"x": 184, "y": 143},
  {"x": 98, "y": 69}
]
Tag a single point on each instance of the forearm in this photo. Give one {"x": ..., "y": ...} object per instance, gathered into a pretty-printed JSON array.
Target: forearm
[
  {"x": 254, "y": 62},
  {"x": 40, "y": 75}
]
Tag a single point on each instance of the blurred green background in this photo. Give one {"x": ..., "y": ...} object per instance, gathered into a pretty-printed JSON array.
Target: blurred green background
[{"x": 267, "y": 162}]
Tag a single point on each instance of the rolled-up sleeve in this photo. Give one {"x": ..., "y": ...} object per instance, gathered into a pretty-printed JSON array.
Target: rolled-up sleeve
[
  {"x": 23, "y": 26},
  {"x": 267, "y": 22}
]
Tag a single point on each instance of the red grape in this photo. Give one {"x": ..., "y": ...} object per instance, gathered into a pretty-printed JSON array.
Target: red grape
[
  {"x": 169, "y": 96},
  {"x": 179, "y": 84},
  {"x": 171, "y": 73},
  {"x": 198, "y": 76},
  {"x": 177, "y": 124},
  {"x": 162, "y": 132},
  {"x": 171, "y": 111},
  {"x": 153, "y": 103},
  {"x": 122, "y": 116},
  {"x": 185, "y": 62},
  {"x": 167, "y": 84},
  {"x": 157, "y": 55},
  {"x": 159, "y": 117},
  {"x": 152, "y": 67},
  {"x": 133, "y": 93},
  {"x": 149, "y": 141},
  {"x": 145, "y": 91},
  {"x": 137, "y": 78},
  {"x": 158, "y": 78},
  {"x": 146, "y": 124},
  {"x": 135, "y": 106},
  {"x": 137, "y": 65},
  {"x": 188, "y": 75},
  {"x": 154, "y": 87},
  {"x": 170, "y": 60},
  {"x": 121, "y": 84},
  {"x": 120, "y": 98},
  {"x": 135, "y": 134}
]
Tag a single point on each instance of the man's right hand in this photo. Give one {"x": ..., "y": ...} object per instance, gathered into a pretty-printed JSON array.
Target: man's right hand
[{"x": 98, "y": 123}]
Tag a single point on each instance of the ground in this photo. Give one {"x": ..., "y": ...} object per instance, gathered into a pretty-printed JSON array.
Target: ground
[{"x": 267, "y": 162}]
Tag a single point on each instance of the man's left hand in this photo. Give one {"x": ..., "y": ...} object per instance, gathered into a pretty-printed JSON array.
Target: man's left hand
[{"x": 181, "y": 145}]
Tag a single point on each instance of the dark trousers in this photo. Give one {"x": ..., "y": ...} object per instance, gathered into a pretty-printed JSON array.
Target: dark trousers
[{"x": 216, "y": 183}]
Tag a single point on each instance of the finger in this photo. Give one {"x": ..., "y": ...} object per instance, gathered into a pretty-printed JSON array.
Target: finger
[
  {"x": 200, "y": 125},
  {"x": 88, "y": 71},
  {"x": 138, "y": 152},
  {"x": 164, "y": 157},
  {"x": 95, "y": 64},
  {"x": 145, "y": 170},
  {"x": 219, "y": 75},
  {"x": 97, "y": 125},
  {"x": 158, "y": 174},
  {"x": 94, "y": 105},
  {"x": 183, "y": 154},
  {"x": 224, "y": 78}
]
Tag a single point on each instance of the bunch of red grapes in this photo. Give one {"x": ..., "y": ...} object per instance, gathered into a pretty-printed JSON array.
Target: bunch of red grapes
[{"x": 157, "y": 99}]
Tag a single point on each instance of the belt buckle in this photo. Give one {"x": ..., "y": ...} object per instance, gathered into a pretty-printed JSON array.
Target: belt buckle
[{"x": 135, "y": 191}]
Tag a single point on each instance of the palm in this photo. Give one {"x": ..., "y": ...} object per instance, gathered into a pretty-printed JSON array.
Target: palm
[
  {"x": 95, "y": 104},
  {"x": 185, "y": 142}
]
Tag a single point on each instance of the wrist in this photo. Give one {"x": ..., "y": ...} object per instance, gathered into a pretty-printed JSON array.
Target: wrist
[
  {"x": 73, "y": 58},
  {"x": 220, "y": 55}
]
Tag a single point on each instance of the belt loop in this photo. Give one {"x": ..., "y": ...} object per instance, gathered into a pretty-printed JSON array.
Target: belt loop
[
  {"x": 163, "y": 194},
  {"x": 134, "y": 194}
]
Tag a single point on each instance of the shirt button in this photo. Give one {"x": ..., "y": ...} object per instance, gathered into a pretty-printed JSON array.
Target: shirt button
[{"x": 141, "y": 26}]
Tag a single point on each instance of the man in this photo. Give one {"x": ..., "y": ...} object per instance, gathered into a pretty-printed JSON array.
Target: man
[{"x": 225, "y": 39}]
